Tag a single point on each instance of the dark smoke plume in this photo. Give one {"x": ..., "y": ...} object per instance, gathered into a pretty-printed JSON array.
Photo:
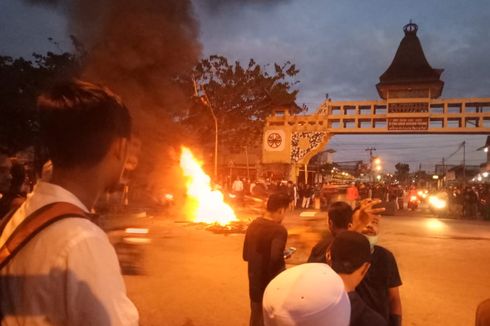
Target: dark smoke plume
[{"x": 137, "y": 47}]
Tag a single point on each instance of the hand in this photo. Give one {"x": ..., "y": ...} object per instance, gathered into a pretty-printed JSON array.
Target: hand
[{"x": 365, "y": 214}]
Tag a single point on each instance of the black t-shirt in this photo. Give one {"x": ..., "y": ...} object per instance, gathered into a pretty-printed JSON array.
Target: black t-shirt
[
  {"x": 361, "y": 314},
  {"x": 319, "y": 251},
  {"x": 263, "y": 249},
  {"x": 381, "y": 276}
]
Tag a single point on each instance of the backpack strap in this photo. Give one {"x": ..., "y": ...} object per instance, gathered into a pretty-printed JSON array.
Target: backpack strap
[{"x": 33, "y": 224}]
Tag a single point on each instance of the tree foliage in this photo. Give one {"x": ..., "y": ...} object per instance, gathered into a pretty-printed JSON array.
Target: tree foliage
[
  {"x": 402, "y": 171},
  {"x": 21, "y": 81},
  {"x": 241, "y": 98}
]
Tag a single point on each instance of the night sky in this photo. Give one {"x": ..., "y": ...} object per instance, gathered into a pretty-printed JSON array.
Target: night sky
[{"x": 341, "y": 48}]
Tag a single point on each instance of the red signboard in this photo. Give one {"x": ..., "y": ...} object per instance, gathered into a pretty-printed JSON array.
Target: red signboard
[{"x": 408, "y": 124}]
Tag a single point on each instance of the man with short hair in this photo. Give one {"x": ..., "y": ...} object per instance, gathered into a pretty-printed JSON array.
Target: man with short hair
[
  {"x": 351, "y": 258},
  {"x": 68, "y": 273},
  {"x": 380, "y": 287},
  {"x": 339, "y": 219},
  {"x": 263, "y": 249}
]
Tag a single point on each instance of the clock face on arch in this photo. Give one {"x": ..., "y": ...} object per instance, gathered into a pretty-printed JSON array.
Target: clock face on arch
[{"x": 274, "y": 140}]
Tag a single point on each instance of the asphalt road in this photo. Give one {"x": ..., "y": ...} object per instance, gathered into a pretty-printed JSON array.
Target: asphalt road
[{"x": 197, "y": 278}]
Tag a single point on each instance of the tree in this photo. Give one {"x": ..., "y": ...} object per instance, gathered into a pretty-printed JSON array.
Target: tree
[
  {"x": 21, "y": 81},
  {"x": 241, "y": 97},
  {"x": 402, "y": 172}
]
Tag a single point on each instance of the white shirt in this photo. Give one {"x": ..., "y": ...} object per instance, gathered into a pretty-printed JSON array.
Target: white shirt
[
  {"x": 237, "y": 185},
  {"x": 68, "y": 274}
]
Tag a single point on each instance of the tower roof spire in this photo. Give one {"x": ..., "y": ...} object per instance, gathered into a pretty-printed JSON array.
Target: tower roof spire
[{"x": 410, "y": 74}]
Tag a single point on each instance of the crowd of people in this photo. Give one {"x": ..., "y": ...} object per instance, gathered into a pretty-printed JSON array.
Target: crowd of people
[
  {"x": 464, "y": 202},
  {"x": 347, "y": 280}
]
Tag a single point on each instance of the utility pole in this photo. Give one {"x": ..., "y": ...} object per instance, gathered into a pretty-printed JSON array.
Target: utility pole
[
  {"x": 246, "y": 156},
  {"x": 464, "y": 163},
  {"x": 370, "y": 150},
  {"x": 443, "y": 171}
]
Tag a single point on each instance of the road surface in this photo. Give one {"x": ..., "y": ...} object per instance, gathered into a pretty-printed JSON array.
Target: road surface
[{"x": 197, "y": 278}]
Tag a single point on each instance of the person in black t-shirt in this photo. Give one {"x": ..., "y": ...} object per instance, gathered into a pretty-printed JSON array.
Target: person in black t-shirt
[
  {"x": 350, "y": 258},
  {"x": 263, "y": 249},
  {"x": 380, "y": 287},
  {"x": 341, "y": 217}
]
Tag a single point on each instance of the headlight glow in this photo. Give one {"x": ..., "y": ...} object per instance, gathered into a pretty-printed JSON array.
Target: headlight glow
[{"x": 437, "y": 203}]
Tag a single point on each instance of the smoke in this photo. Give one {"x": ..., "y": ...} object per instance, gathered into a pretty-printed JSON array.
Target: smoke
[{"x": 137, "y": 48}]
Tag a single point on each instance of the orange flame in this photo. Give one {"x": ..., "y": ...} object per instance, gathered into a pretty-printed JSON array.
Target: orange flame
[{"x": 208, "y": 204}]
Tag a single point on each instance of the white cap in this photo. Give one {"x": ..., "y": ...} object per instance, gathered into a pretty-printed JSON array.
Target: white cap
[{"x": 306, "y": 295}]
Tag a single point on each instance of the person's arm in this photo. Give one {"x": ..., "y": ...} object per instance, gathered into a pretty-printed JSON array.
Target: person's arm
[
  {"x": 95, "y": 290},
  {"x": 395, "y": 306},
  {"x": 278, "y": 244}
]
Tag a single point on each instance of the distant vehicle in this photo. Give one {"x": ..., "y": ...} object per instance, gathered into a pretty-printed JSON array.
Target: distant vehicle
[
  {"x": 438, "y": 204},
  {"x": 413, "y": 202},
  {"x": 130, "y": 244}
]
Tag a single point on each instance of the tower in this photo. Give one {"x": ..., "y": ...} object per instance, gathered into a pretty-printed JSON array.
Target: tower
[{"x": 410, "y": 75}]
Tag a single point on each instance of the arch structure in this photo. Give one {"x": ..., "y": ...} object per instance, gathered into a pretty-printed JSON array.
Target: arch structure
[{"x": 295, "y": 139}]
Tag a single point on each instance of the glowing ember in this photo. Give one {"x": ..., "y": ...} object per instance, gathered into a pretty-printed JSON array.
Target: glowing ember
[{"x": 207, "y": 205}]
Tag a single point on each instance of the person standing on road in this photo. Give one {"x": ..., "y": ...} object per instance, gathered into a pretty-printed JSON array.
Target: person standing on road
[
  {"x": 308, "y": 193},
  {"x": 341, "y": 218},
  {"x": 351, "y": 259},
  {"x": 380, "y": 288},
  {"x": 263, "y": 249},
  {"x": 237, "y": 188},
  {"x": 470, "y": 201},
  {"x": 68, "y": 273},
  {"x": 352, "y": 195}
]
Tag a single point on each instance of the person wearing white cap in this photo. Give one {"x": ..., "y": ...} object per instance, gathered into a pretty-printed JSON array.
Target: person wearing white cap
[{"x": 306, "y": 295}]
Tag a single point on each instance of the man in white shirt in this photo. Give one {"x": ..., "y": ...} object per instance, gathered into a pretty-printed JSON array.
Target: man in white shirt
[
  {"x": 237, "y": 185},
  {"x": 68, "y": 274}
]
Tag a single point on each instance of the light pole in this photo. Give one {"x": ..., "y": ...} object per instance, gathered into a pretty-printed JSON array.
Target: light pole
[
  {"x": 246, "y": 156},
  {"x": 376, "y": 165},
  {"x": 205, "y": 100}
]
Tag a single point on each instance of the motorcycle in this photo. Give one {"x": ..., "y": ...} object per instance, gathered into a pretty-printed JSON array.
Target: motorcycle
[
  {"x": 438, "y": 204},
  {"x": 130, "y": 234},
  {"x": 413, "y": 202}
]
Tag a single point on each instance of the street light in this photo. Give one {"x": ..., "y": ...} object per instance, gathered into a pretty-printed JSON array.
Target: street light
[{"x": 205, "y": 100}]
